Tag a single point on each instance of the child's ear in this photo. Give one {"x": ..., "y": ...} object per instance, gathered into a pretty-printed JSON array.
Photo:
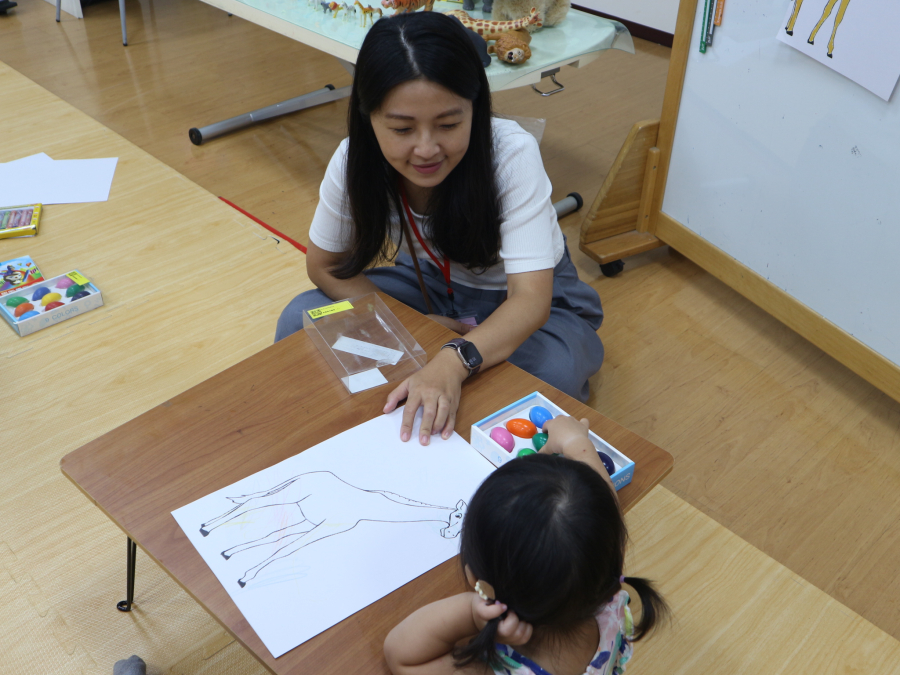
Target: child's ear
[{"x": 470, "y": 577}]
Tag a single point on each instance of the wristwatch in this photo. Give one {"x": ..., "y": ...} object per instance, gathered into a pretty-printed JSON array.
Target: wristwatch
[{"x": 468, "y": 354}]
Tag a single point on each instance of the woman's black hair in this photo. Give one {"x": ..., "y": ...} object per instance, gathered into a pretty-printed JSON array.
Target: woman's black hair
[
  {"x": 547, "y": 533},
  {"x": 464, "y": 209}
]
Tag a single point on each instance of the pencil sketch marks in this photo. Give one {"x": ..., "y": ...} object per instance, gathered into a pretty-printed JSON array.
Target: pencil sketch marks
[
  {"x": 829, "y": 7},
  {"x": 315, "y": 506}
]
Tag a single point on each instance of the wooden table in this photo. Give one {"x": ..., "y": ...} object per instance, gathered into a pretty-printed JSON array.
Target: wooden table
[{"x": 259, "y": 412}]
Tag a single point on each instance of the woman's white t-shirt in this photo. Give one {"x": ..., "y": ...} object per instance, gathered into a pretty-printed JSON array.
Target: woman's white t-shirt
[{"x": 530, "y": 238}]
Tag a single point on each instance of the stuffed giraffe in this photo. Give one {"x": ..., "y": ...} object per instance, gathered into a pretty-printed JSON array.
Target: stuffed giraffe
[{"x": 491, "y": 30}]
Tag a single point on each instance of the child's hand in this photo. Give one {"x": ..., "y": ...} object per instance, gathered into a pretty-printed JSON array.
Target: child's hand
[
  {"x": 568, "y": 437},
  {"x": 510, "y": 631}
]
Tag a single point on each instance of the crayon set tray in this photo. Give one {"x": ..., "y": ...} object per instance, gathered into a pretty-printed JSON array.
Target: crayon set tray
[
  {"x": 497, "y": 455},
  {"x": 49, "y": 302},
  {"x": 363, "y": 342}
]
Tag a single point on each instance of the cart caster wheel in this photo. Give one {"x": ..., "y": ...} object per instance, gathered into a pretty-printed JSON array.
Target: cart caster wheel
[{"x": 613, "y": 268}]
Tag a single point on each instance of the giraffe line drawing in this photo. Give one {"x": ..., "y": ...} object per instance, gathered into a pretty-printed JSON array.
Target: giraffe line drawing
[
  {"x": 326, "y": 506},
  {"x": 829, "y": 7}
]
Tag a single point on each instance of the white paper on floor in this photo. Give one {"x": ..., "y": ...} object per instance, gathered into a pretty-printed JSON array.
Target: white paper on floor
[
  {"x": 306, "y": 543},
  {"x": 38, "y": 179}
]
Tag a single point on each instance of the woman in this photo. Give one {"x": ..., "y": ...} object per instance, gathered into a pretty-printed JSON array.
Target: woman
[{"x": 425, "y": 155}]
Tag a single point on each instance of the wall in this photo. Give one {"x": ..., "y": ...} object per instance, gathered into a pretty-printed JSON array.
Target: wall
[{"x": 658, "y": 14}]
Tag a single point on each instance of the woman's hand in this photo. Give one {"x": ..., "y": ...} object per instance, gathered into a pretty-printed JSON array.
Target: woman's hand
[
  {"x": 436, "y": 389},
  {"x": 510, "y": 631}
]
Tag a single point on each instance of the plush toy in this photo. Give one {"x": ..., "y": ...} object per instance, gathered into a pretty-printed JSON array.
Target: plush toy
[
  {"x": 491, "y": 30},
  {"x": 512, "y": 47},
  {"x": 551, "y": 11},
  {"x": 407, "y": 6}
]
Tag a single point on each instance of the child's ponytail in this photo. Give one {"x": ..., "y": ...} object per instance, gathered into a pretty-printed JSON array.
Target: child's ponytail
[
  {"x": 480, "y": 648},
  {"x": 653, "y": 608}
]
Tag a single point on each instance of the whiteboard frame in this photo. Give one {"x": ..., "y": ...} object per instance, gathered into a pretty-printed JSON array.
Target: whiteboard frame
[{"x": 828, "y": 336}]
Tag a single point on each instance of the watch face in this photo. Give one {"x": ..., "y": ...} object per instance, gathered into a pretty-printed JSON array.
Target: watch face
[{"x": 470, "y": 353}]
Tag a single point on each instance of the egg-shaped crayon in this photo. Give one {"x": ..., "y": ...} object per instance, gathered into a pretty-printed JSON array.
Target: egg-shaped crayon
[
  {"x": 521, "y": 428},
  {"x": 524, "y": 452},
  {"x": 72, "y": 290},
  {"x": 539, "y": 414},
  {"x": 65, "y": 282},
  {"x": 28, "y": 315},
  {"x": 607, "y": 463},
  {"x": 24, "y": 307},
  {"x": 81, "y": 294},
  {"x": 53, "y": 305},
  {"x": 503, "y": 438},
  {"x": 40, "y": 293},
  {"x": 50, "y": 297},
  {"x": 539, "y": 441},
  {"x": 15, "y": 302}
]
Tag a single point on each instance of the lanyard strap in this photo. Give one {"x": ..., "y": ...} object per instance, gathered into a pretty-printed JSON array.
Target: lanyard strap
[{"x": 445, "y": 267}]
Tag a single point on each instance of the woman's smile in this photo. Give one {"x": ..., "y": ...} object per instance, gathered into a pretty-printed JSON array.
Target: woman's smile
[{"x": 428, "y": 168}]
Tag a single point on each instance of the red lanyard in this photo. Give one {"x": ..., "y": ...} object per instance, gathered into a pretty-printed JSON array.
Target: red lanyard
[{"x": 445, "y": 267}]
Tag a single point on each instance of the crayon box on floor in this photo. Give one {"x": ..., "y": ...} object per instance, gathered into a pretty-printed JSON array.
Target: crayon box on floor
[
  {"x": 497, "y": 455},
  {"x": 49, "y": 302}
]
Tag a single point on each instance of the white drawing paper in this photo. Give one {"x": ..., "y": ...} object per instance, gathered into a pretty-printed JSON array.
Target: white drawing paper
[
  {"x": 856, "y": 38},
  {"x": 365, "y": 380},
  {"x": 40, "y": 180},
  {"x": 306, "y": 543},
  {"x": 384, "y": 355}
]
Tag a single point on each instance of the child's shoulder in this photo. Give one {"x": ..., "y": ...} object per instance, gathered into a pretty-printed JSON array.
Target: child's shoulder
[{"x": 616, "y": 628}]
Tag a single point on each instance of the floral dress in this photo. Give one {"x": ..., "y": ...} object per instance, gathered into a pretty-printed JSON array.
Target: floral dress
[{"x": 616, "y": 628}]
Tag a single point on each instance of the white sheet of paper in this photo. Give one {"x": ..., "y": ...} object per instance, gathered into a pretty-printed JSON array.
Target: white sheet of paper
[
  {"x": 384, "y": 355},
  {"x": 349, "y": 520},
  {"x": 60, "y": 181},
  {"x": 366, "y": 380},
  {"x": 866, "y": 49},
  {"x": 23, "y": 162}
]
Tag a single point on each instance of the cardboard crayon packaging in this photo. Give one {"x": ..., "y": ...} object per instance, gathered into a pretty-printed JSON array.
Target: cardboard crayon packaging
[
  {"x": 497, "y": 455},
  {"x": 48, "y": 302}
]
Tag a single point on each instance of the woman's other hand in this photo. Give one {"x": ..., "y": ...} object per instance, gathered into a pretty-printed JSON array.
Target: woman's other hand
[{"x": 457, "y": 327}]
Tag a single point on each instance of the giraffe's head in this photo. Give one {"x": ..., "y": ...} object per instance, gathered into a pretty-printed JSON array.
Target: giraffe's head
[{"x": 455, "y": 522}]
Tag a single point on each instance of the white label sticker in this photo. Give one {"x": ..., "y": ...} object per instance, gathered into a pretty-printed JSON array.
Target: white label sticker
[
  {"x": 365, "y": 380},
  {"x": 384, "y": 355}
]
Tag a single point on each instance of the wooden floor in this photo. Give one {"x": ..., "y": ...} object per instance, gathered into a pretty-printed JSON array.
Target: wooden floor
[{"x": 772, "y": 438}]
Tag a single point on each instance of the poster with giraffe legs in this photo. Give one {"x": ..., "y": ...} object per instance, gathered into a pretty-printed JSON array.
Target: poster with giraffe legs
[
  {"x": 306, "y": 543},
  {"x": 856, "y": 38}
]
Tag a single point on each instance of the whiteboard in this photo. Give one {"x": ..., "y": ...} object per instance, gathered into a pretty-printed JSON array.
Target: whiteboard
[{"x": 793, "y": 170}]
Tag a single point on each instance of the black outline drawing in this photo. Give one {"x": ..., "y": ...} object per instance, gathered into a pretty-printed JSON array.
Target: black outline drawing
[{"x": 326, "y": 506}]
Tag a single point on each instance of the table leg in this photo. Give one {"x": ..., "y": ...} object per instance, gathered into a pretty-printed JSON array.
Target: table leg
[
  {"x": 326, "y": 95},
  {"x": 131, "y": 559}
]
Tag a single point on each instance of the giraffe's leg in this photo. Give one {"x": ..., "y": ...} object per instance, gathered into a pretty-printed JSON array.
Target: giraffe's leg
[
  {"x": 837, "y": 22},
  {"x": 321, "y": 531},
  {"x": 825, "y": 14},
  {"x": 789, "y": 29},
  {"x": 276, "y": 537}
]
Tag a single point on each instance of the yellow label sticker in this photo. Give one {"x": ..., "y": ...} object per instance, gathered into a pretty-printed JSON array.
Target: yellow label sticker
[
  {"x": 329, "y": 309},
  {"x": 78, "y": 278}
]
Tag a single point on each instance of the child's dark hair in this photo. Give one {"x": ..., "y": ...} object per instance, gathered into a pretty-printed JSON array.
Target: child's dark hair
[{"x": 547, "y": 533}]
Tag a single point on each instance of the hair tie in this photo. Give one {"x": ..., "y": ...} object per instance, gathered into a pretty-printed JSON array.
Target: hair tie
[
  {"x": 622, "y": 579},
  {"x": 485, "y": 591}
]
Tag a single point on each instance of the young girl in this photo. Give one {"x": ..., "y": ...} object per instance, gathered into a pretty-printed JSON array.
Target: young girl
[
  {"x": 543, "y": 544},
  {"x": 427, "y": 168}
]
